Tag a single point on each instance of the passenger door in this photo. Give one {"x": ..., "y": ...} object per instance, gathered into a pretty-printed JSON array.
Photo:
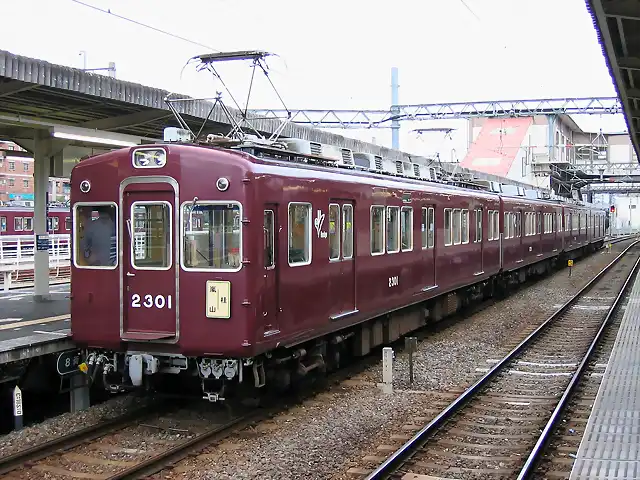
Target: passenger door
[
  {"x": 342, "y": 259},
  {"x": 428, "y": 243},
  {"x": 270, "y": 291},
  {"x": 149, "y": 269}
]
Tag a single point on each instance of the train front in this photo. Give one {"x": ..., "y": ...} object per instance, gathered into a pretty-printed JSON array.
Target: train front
[{"x": 157, "y": 246}]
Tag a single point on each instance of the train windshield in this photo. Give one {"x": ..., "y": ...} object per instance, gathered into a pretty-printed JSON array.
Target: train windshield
[
  {"x": 211, "y": 236},
  {"x": 95, "y": 240}
]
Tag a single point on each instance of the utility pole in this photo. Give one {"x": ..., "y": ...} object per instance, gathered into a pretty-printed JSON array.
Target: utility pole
[{"x": 395, "y": 124}]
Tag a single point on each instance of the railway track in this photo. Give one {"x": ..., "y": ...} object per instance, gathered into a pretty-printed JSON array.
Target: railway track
[
  {"x": 134, "y": 445},
  {"x": 499, "y": 427}
]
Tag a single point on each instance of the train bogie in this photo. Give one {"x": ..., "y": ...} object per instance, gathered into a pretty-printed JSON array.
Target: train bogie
[{"x": 227, "y": 267}]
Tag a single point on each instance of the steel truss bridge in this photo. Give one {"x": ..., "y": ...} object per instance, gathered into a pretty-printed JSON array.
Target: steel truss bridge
[{"x": 336, "y": 118}]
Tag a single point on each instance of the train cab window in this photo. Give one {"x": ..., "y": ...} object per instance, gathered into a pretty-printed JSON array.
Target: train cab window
[
  {"x": 67, "y": 223},
  {"x": 28, "y": 224},
  {"x": 211, "y": 236},
  {"x": 465, "y": 226},
  {"x": 3, "y": 224},
  {"x": 151, "y": 231},
  {"x": 334, "y": 231},
  {"x": 269, "y": 235},
  {"x": 393, "y": 229},
  {"x": 347, "y": 231},
  {"x": 448, "y": 238},
  {"x": 377, "y": 230},
  {"x": 95, "y": 236},
  {"x": 478, "y": 225},
  {"x": 18, "y": 224},
  {"x": 406, "y": 228},
  {"x": 299, "y": 234}
]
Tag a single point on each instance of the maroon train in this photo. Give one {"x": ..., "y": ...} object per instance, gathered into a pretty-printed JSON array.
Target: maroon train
[
  {"x": 19, "y": 220},
  {"x": 255, "y": 265}
]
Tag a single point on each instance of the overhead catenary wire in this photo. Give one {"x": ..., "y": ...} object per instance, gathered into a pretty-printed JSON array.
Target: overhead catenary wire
[{"x": 136, "y": 22}]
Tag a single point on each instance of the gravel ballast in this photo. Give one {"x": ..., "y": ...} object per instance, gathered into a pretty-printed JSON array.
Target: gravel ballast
[{"x": 326, "y": 435}]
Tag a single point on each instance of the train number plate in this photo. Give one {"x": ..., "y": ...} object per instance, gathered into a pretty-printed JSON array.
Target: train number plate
[{"x": 151, "y": 301}]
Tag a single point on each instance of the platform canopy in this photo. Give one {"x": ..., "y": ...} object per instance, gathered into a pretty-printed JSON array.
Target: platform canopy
[
  {"x": 618, "y": 25},
  {"x": 35, "y": 94}
]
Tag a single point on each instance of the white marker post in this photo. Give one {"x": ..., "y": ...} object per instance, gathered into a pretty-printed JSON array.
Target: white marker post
[
  {"x": 387, "y": 370},
  {"x": 17, "y": 408}
]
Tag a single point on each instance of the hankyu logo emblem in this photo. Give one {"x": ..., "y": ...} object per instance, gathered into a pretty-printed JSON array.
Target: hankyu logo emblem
[{"x": 318, "y": 221}]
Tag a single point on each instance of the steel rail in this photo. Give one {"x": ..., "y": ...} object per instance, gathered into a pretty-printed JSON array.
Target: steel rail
[
  {"x": 546, "y": 434},
  {"x": 73, "y": 439},
  {"x": 400, "y": 456},
  {"x": 179, "y": 452}
]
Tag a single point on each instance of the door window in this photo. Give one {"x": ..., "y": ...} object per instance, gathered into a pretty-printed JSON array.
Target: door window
[
  {"x": 151, "y": 235},
  {"x": 269, "y": 252}
]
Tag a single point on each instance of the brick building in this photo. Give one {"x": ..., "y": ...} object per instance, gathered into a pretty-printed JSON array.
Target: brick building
[{"x": 16, "y": 177}]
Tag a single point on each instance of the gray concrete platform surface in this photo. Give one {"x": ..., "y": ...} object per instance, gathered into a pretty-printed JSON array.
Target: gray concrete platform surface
[{"x": 610, "y": 447}]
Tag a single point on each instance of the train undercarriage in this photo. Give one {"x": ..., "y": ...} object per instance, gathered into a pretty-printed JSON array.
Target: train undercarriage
[{"x": 282, "y": 368}]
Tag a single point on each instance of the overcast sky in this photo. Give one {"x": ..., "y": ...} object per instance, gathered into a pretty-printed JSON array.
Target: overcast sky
[{"x": 335, "y": 53}]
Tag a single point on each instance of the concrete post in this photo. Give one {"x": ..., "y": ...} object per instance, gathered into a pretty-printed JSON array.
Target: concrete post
[
  {"x": 79, "y": 394},
  {"x": 42, "y": 146},
  {"x": 387, "y": 370}
]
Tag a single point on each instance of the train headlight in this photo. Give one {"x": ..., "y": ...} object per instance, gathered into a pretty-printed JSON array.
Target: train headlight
[
  {"x": 149, "y": 158},
  {"x": 85, "y": 186},
  {"x": 222, "y": 184}
]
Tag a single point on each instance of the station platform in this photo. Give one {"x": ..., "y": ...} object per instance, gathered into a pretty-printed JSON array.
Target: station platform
[
  {"x": 30, "y": 329},
  {"x": 610, "y": 447}
]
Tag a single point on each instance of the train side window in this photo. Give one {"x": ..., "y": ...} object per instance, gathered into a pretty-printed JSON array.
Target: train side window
[
  {"x": 507, "y": 226},
  {"x": 465, "y": 226},
  {"x": 347, "y": 231},
  {"x": 95, "y": 236},
  {"x": 496, "y": 225},
  {"x": 151, "y": 231},
  {"x": 406, "y": 229},
  {"x": 377, "y": 230},
  {"x": 448, "y": 239},
  {"x": 67, "y": 223},
  {"x": 269, "y": 235},
  {"x": 393, "y": 229},
  {"x": 17, "y": 224},
  {"x": 55, "y": 223},
  {"x": 519, "y": 224},
  {"x": 478, "y": 225},
  {"x": 3, "y": 224},
  {"x": 334, "y": 231},
  {"x": 212, "y": 236},
  {"x": 490, "y": 225},
  {"x": 457, "y": 221},
  {"x": 28, "y": 224},
  {"x": 423, "y": 227},
  {"x": 299, "y": 234}
]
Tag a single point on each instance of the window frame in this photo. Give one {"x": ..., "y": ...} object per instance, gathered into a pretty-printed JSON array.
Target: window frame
[
  {"x": 308, "y": 233},
  {"x": 402, "y": 210},
  {"x": 478, "y": 225},
  {"x": 346, "y": 206},
  {"x": 273, "y": 238},
  {"x": 183, "y": 233},
  {"x": 431, "y": 221},
  {"x": 383, "y": 230},
  {"x": 448, "y": 232},
  {"x": 338, "y": 231},
  {"x": 132, "y": 263},
  {"x": 397, "y": 229},
  {"x": 76, "y": 238}
]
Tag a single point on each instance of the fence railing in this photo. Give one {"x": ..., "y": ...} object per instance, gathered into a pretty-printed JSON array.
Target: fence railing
[{"x": 17, "y": 257}]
